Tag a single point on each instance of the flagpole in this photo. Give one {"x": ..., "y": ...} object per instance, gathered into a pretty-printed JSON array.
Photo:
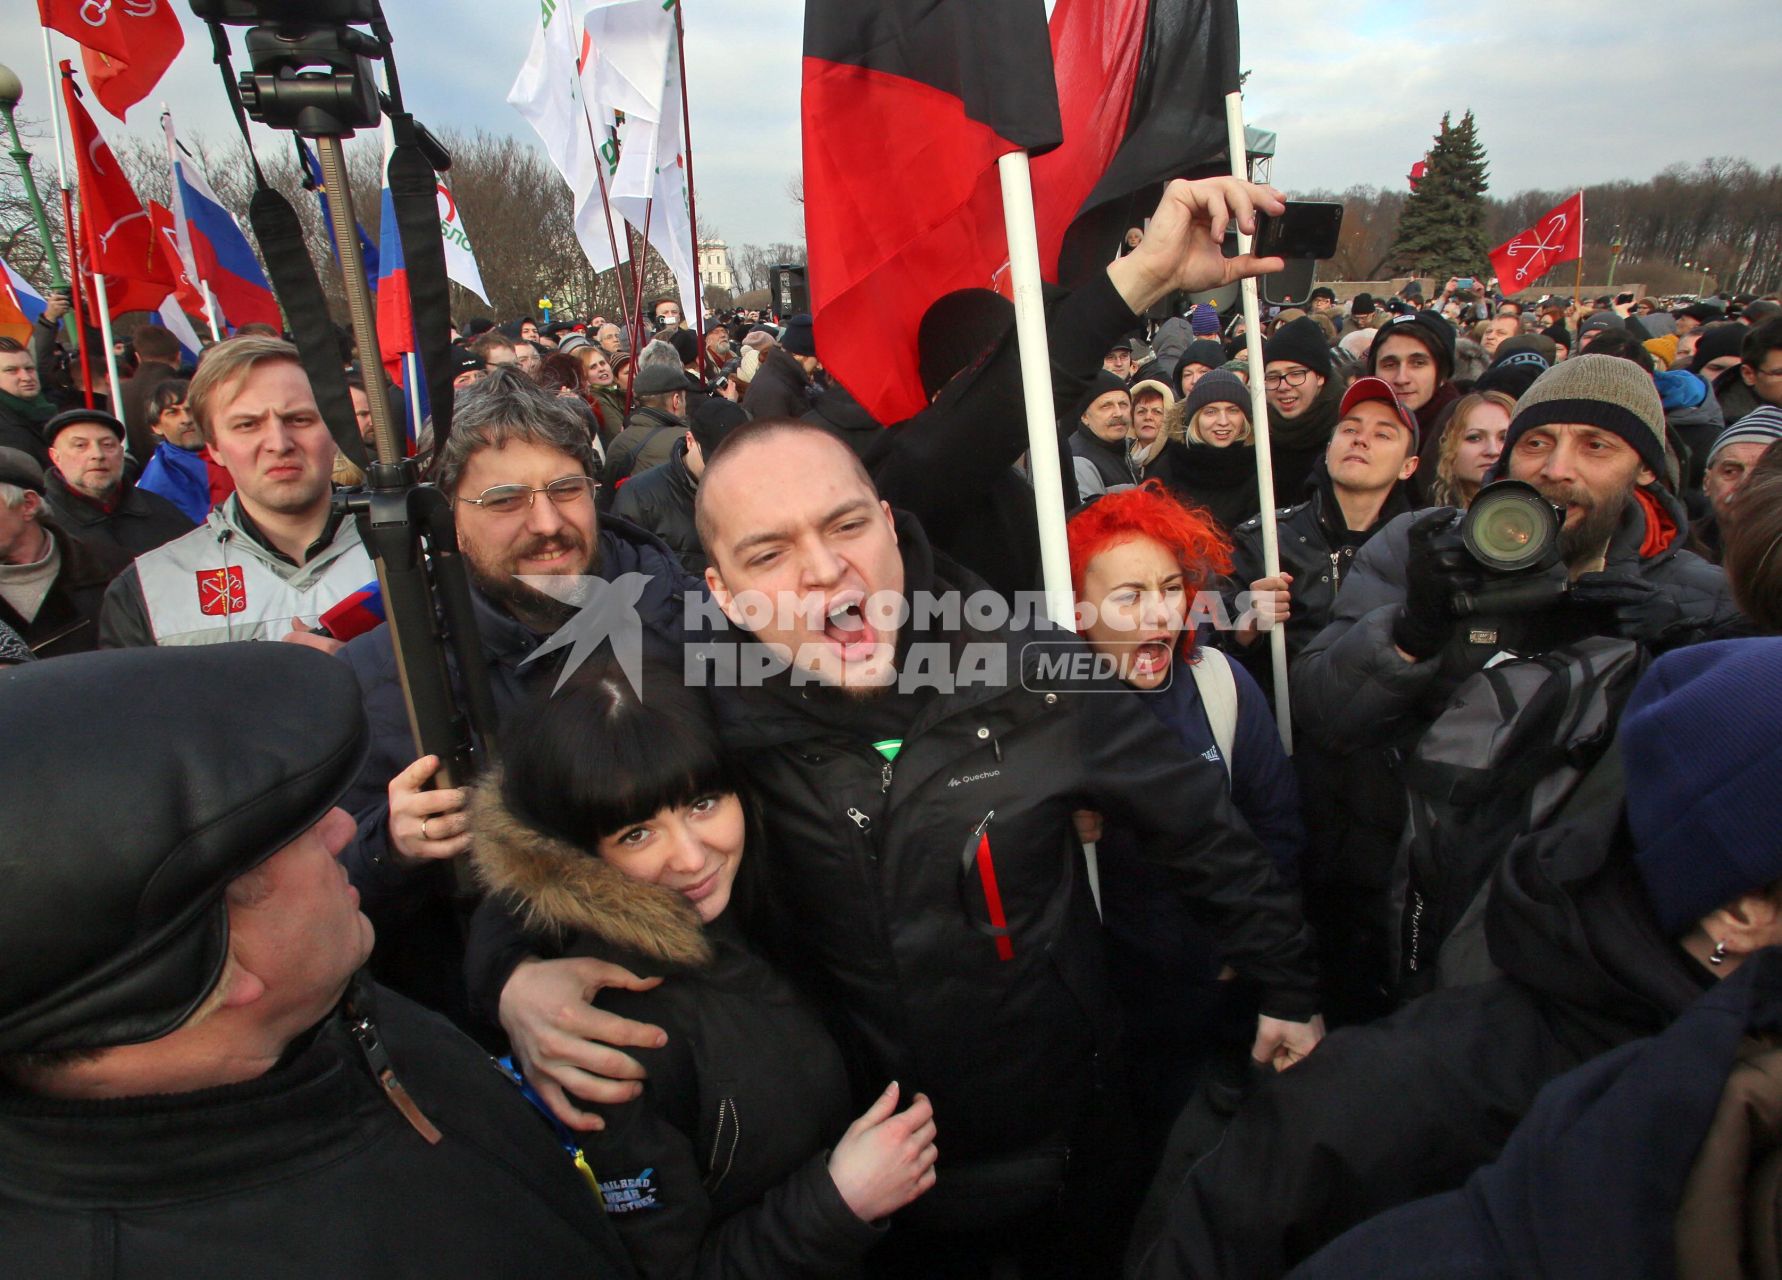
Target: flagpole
[
  {"x": 71, "y": 323},
  {"x": 1036, "y": 384},
  {"x": 1265, "y": 476},
  {"x": 1578, "y": 278},
  {"x": 111, "y": 355},
  {"x": 606, "y": 207},
  {"x": 210, "y": 313},
  {"x": 680, "y": 41},
  {"x": 412, "y": 378}
]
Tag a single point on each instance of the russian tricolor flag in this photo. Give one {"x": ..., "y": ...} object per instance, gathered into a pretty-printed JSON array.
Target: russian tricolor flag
[
  {"x": 20, "y": 304},
  {"x": 396, "y": 313},
  {"x": 213, "y": 247}
]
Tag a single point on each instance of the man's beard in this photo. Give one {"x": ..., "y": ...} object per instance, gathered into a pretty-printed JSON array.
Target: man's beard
[
  {"x": 531, "y": 606},
  {"x": 1586, "y": 541}
]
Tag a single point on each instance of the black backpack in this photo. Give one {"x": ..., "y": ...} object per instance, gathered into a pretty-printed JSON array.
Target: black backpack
[{"x": 1508, "y": 750}]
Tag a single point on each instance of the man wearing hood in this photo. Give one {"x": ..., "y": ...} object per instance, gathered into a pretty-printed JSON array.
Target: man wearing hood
[
  {"x": 1303, "y": 403},
  {"x": 1415, "y": 353}
]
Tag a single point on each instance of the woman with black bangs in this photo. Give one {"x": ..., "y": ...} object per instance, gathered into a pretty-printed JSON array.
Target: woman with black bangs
[{"x": 615, "y": 829}]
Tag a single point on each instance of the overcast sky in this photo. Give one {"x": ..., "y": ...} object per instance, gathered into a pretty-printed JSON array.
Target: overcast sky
[{"x": 1566, "y": 93}]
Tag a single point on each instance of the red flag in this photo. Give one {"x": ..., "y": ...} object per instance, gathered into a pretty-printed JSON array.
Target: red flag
[
  {"x": 1557, "y": 236},
  {"x": 120, "y": 239},
  {"x": 936, "y": 92},
  {"x": 87, "y": 24},
  {"x": 126, "y": 45},
  {"x": 186, "y": 290}
]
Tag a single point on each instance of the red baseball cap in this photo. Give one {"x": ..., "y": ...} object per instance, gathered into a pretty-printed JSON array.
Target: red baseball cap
[{"x": 1370, "y": 388}]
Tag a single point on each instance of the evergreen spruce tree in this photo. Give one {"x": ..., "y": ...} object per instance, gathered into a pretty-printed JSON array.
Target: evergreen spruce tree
[{"x": 1442, "y": 230}]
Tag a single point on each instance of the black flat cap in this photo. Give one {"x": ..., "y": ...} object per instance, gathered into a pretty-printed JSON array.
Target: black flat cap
[{"x": 112, "y": 924}]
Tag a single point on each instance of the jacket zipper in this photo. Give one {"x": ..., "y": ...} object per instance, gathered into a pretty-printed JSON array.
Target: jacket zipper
[
  {"x": 371, "y": 1045},
  {"x": 978, "y": 855}
]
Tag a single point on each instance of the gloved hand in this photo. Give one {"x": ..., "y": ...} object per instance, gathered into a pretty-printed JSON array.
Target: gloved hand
[
  {"x": 1431, "y": 578},
  {"x": 1639, "y": 610}
]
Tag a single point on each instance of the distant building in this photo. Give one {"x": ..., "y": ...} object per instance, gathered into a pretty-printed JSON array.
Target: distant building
[{"x": 714, "y": 265}]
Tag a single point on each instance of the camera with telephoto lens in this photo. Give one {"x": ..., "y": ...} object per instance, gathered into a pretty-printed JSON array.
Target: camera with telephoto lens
[{"x": 1512, "y": 534}]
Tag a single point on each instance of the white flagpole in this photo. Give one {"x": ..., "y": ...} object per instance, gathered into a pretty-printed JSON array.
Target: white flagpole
[
  {"x": 411, "y": 374},
  {"x": 210, "y": 314},
  {"x": 111, "y": 355},
  {"x": 1036, "y": 394},
  {"x": 1036, "y": 384},
  {"x": 1265, "y": 476}
]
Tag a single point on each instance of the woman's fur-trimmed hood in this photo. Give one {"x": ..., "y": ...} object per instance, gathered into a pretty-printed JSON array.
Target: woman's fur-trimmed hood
[{"x": 567, "y": 890}]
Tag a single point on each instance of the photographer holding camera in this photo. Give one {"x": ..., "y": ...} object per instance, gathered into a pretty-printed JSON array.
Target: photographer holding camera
[
  {"x": 1581, "y": 540},
  {"x": 1589, "y": 436}
]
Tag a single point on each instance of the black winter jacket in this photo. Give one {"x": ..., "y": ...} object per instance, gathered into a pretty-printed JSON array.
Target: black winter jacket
[
  {"x": 68, "y": 619},
  {"x": 138, "y": 521},
  {"x": 780, "y": 388},
  {"x": 1410, "y": 1106},
  {"x": 1351, "y": 688},
  {"x": 306, "y": 1171},
  {"x": 1317, "y": 548},
  {"x": 876, "y": 866},
  {"x": 661, "y": 500},
  {"x": 720, "y": 1168}
]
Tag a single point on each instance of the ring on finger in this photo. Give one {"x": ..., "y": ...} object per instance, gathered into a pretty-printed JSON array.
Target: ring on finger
[{"x": 424, "y": 834}]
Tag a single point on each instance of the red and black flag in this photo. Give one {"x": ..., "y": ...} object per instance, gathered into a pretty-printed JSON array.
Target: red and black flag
[
  {"x": 1141, "y": 86},
  {"x": 907, "y": 105}
]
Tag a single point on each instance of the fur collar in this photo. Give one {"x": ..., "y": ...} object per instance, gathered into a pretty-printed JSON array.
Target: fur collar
[{"x": 566, "y": 890}]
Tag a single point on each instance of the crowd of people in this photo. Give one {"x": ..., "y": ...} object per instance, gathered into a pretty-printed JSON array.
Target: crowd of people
[{"x": 851, "y": 919}]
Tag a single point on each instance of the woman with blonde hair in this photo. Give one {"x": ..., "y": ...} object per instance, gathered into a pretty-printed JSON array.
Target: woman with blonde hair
[
  {"x": 1220, "y": 463},
  {"x": 1471, "y": 447}
]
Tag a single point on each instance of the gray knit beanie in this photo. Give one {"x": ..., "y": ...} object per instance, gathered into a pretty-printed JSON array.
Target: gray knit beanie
[
  {"x": 1217, "y": 387},
  {"x": 1606, "y": 392}
]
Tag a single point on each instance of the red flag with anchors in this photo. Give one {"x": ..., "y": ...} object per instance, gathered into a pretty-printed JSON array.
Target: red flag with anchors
[{"x": 1557, "y": 236}]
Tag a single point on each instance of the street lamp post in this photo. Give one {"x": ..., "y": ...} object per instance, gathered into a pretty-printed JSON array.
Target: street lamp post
[
  {"x": 11, "y": 90},
  {"x": 1615, "y": 248}
]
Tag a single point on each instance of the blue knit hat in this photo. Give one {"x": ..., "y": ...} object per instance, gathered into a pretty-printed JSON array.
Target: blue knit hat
[
  {"x": 1703, "y": 799},
  {"x": 1204, "y": 319}
]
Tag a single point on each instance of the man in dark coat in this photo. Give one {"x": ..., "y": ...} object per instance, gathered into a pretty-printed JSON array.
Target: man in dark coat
[
  {"x": 193, "y": 1071},
  {"x": 51, "y": 584},
  {"x": 782, "y": 386},
  {"x": 658, "y": 419},
  {"x": 661, "y": 499},
  {"x": 89, "y": 494},
  {"x": 23, "y": 406},
  {"x": 1588, "y": 435},
  {"x": 1607, "y": 926},
  {"x": 157, "y": 359}
]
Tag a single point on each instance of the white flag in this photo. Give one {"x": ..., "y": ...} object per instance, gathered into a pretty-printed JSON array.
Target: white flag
[
  {"x": 651, "y": 185},
  {"x": 460, "y": 261},
  {"x": 551, "y": 93}
]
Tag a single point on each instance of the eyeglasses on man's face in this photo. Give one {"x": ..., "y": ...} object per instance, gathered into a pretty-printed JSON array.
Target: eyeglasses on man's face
[{"x": 511, "y": 499}]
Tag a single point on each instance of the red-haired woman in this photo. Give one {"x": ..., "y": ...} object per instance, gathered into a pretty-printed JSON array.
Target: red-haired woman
[{"x": 1139, "y": 562}]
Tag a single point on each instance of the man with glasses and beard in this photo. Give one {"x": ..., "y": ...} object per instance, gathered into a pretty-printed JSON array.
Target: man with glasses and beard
[{"x": 521, "y": 472}]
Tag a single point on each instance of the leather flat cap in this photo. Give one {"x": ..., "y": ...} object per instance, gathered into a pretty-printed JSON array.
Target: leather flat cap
[{"x": 142, "y": 781}]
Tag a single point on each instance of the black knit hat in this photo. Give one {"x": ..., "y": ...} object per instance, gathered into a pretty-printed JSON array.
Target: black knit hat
[
  {"x": 957, "y": 329},
  {"x": 713, "y": 418},
  {"x": 1362, "y": 305},
  {"x": 1102, "y": 383},
  {"x": 1716, "y": 340},
  {"x": 1425, "y": 327},
  {"x": 1560, "y": 334},
  {"x": 799, "y": 339},
  {"x": 1513, "y": 372},
  {"x": 1202, "y": 351},
  {"x": 1302, "y": 342}
]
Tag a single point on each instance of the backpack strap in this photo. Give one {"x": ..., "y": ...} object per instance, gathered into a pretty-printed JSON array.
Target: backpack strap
[{"x": 1218, "y": 698}]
